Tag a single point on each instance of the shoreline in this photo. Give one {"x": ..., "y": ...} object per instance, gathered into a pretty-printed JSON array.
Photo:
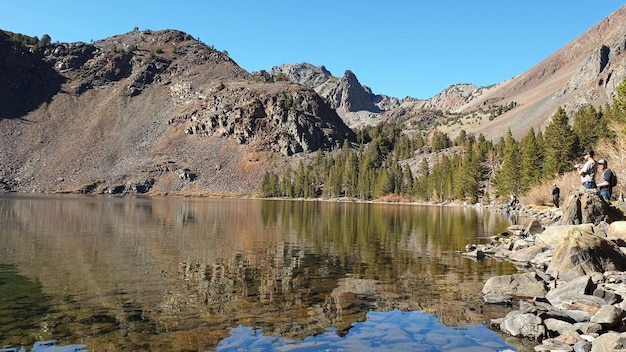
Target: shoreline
[{"x": 571, "y": 294}]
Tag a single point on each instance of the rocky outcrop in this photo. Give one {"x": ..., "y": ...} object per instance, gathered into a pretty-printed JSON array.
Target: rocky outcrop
[
  {"x": 288, "y": 120},
  {"x": 572, "y": 296},
  {"x": 587, "y": 207},
  {"x": 356, "y": 104},
  {"x": 26, "y": 80},
  {"x": 97, "y": 118}
]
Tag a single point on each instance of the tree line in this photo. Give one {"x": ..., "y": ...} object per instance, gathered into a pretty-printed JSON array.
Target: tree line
[
  {"x": 26, "y": 40},
  {"x": 468, "y": 168}
]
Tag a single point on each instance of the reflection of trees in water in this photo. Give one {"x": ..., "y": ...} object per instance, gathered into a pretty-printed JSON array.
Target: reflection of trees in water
[
  {"x": 26, "y": 303},
  {"x": 198, "y": 267},
  {"x": 345, "y": 259}
]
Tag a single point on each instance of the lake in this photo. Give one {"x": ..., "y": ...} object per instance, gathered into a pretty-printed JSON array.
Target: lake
[{"x": 203, "y": 274}]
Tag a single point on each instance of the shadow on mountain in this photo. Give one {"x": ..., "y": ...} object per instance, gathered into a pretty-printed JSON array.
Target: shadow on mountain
[{"x": 26, "y": 80}]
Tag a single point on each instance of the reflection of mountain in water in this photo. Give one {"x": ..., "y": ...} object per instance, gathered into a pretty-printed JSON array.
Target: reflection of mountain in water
[{"x": 181, "y": 272}]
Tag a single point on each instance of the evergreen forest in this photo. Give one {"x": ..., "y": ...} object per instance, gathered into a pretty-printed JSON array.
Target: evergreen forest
[{"x": 387, "y": 162}]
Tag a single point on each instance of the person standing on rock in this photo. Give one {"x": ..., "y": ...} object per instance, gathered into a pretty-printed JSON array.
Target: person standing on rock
[
  {"x": 588, "y": 171},
  {"x": 605, "y": 186},
  {"x": 556, "y": 195}
]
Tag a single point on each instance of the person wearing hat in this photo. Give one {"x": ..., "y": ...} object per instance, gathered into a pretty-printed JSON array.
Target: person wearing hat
[
  {"x": 588, "y": 171},
  {"x": 605, "y": 181}
]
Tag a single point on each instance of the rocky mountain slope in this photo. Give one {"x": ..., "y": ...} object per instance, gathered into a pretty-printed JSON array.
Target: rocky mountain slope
[
  {"x": 161, "y": 112},
  {"x": 586, "y": 71},
  {"x": 149, "y": 112}
]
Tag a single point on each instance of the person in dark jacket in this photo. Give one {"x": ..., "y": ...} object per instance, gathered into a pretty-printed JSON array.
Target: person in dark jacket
[
  {"x": 556, "y": 195},
  {"x": 604, "y": 184}
]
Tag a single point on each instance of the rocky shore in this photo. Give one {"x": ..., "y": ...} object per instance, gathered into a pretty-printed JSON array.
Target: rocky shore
[{"x": 571, "y": 294}]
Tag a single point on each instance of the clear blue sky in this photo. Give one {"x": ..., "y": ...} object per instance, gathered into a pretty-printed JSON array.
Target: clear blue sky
[{"x": 396, "y": 47}]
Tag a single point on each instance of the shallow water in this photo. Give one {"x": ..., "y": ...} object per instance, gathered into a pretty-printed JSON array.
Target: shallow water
[{"x": 180, "y": 274}]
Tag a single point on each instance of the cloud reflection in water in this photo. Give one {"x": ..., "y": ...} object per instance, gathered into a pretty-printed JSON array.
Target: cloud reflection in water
[{"x": 391, "y": 331}]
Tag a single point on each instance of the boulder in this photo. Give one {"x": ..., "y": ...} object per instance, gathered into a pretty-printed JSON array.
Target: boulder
[
  {"x": 558, "y": 326},
  {"x": 525, "y": 255},
  {"x": 617, "y": 231},
  {"x": 586, "y": 206},
  {"x": 554, "y": 235},
  {"x": 608, "y": 316},
  {"x": 517, "y": 285},
  {"x": 522, "y": 325},
  {"x": 580, "y": 285},
  {"x": 611, "y": 341},
  {"x": 498, "y": 299},
  {"x": 534, "y": 227},
  {"x": 584, "y": 253}
]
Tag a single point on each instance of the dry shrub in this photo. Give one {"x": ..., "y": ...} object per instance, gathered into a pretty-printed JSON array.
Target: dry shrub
[
  {"x": 613, "y": 151},
  {"x": 542, "y": 194},
  {"x": 394, "y": 198}
]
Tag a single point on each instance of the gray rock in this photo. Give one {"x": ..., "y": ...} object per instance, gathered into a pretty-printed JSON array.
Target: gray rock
[
  {"x": 609, "y": 297},
  {"x": 525, "y": 255},
  {"x": 576, "y": 301},
  {"x": 588, "y": 207},
  {"x": 551, "y": 345},
  {"x": 617, "y": 231},
  {"x": 523, "y": 325},
  {"x": 518, "y": 285},
  {"x": 588, "y": 328},
  {"x": 580, "y": 316},
  {"x": 611, "y": 341},
  {"x": 536, "y": 306},
  {"x": 533, "y": 228},
  {"x": 608, "y": 316},
  {"x": 583, "y": 254},
  {"x": 580, "y": 285},
  {"x": 582, "y": 346},
  {"x": 496, "y": 298},
  {"x": 558, "y": 326},
  {"x": 554, "y": 235}
]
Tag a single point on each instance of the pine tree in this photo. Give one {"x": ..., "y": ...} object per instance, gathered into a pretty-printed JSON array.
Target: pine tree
[
  {"x": 366, "y": 179},
  {"x": 473, "y": 172},
  {"x": 286, "y": 183},
  {"x": 332, "y": 186},
  {"x": 382, "y": 185},
  {"x": 441, "y": 179},
  {"x": 422, "y": 187},
  {"x": 589, "y": 126},
  {"x": 269, "y": 185},
  {"x": 299, "y": 181},
  {"x": 350, "y": 174},
  {"x": 619, "y": 103},
  {"x": 439, "y": 141},
  {"x": 407, "y": 180},
  {"x": 265, "y": 185},
  {"x": 507, "y": 179},
  {"x": 560, "y": 145},
  {"x": 531, "y": 161}
]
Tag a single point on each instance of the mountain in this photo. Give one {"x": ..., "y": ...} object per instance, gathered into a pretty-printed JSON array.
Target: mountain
[
  {"x": 585, "y": 71},
  {"x": 160, "y": 112},
  {"x": 152, "y": 112}
]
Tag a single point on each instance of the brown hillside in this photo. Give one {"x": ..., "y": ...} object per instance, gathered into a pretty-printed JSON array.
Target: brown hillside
[
  {"x": 146, "y": 112},
  {"x": 161, "y": 112},
  {"x": 585, "y": 71}
]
